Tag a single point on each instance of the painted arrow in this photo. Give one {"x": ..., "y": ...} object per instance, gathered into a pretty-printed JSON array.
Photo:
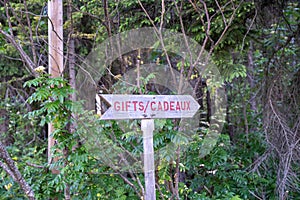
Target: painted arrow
[{"x": 149, "y": 106}]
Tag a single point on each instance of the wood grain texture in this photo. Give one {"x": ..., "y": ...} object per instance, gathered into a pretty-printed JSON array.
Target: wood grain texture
[
  {"x": 149, "y": 106},
  {"x": 147, "y": 126}
]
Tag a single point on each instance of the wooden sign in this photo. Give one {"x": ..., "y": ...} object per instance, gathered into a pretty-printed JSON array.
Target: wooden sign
[{"x": 149, "y": 106}]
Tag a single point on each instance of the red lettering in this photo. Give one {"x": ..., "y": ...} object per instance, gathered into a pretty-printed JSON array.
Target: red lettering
[
  {"x": 134, "y": 105},
  {"x": 188, "y": 105},
  {"x": 122, "y": 103},
  {"x": 178, "y": 106},
  {"x": 166, "y": 106},
  {"x": 127, "y": 105},
  {"x": 141, "y": 106},
  {"x": 172, "y": 105},
  {"x": 182, "y": 105},
  {"x": 117, "y": 106},
  {"x": 154, "y": 106},
  {"x": 159, "y": 107},
  {"x": 151, "y": 106}
]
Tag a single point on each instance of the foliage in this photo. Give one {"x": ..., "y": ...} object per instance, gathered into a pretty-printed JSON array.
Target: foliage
[
  {"x": 254, "y": 44},
  {"x": 84, "y": 173},
  {"x": 279, "y": 59}
]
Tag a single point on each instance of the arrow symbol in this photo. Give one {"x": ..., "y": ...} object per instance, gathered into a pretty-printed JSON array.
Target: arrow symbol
[{"x": 149, "y": 106}]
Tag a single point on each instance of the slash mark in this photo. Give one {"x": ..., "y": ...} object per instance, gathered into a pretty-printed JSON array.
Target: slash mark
[{"x": 146, "y": 106}]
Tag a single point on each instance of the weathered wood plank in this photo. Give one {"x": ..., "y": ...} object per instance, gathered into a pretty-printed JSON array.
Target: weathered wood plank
[{"x": 149, "y": 106}]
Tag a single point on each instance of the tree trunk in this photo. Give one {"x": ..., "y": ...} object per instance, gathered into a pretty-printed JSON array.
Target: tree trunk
[
  {"x": 250, "y": 76},
  {"x": 55, "y": 39}
]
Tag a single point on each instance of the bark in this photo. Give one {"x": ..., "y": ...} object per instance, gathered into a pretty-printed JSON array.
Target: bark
[
  {"x": 72, "y": 81},
  {"x": 55, "y": 58},
  {"x": 30, "y": 66},
  {"x": 10, "y": 38},
  {"x": 208, "y": 104},
  {"x": 177, "y": 173},
  {"x": 71, "y": 58},
  {"x": 9, "y": 167},
  {"x": 229, "y": 120},
  {"x": 4, "y": 127},
  {"x": 250, "y": 76}
]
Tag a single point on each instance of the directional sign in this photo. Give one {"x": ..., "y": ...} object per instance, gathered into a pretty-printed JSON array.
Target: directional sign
[{"x": 149, "y": 106}]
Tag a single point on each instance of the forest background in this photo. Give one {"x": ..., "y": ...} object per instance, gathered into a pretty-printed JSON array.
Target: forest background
[{"x": 254, "y": 44}]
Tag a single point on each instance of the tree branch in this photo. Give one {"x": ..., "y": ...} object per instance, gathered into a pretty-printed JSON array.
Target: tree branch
[
  {"x": 14, "y": 172},
  {"x": 26, "y": 59}
]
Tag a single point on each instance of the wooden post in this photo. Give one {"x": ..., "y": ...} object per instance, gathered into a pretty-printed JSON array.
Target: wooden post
[
  {"x": 55, "y": 43},
  {"x": 147, "y": 127},
  {"x": 143, "y": 107}
]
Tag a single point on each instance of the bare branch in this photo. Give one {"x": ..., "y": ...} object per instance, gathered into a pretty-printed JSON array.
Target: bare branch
[
  {"x": 29, "y": 64},
  {"x": 30, "y": 34},
  {"x": 35, "y": 165},
  {"x": 13, "y": 171}
]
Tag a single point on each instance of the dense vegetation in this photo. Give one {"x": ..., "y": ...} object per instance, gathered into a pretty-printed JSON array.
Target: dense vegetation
[{"x": 255, "y": 46}]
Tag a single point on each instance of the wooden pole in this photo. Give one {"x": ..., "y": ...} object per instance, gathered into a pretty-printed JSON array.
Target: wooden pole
[
  {"x": 55, "y": 58},
  {"x": 147, "y": 127}
]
